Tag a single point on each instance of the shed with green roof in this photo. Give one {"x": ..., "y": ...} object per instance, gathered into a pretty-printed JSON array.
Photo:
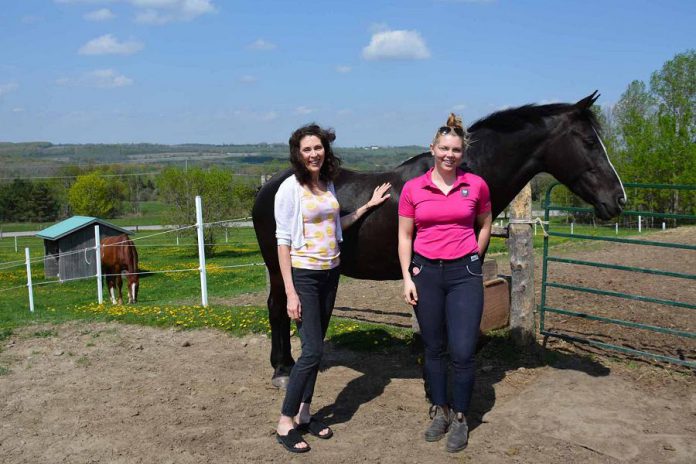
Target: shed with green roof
[{"x": 69, "y": 246}]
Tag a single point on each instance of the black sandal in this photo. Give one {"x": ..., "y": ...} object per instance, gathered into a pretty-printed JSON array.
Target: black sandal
[
  {"x": 292, "y": 439},
  {"x": 315, "y": 426}
]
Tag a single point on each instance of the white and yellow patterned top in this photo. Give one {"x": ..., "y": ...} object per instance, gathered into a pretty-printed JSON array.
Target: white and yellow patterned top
[{"x": 321, "y": 250}]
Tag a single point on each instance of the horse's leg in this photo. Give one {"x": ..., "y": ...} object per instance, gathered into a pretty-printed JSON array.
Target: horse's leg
[
  {"x": 281, "y": 355},
  {"x": 134, "y": 290},
  {"x": 128, "y": 289},
  {"x": 110, "y": 283},
  {"x": 119, "y": 284}
]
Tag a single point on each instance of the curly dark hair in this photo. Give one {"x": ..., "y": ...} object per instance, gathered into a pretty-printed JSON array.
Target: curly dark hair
[{"x": 329, "y": 170}]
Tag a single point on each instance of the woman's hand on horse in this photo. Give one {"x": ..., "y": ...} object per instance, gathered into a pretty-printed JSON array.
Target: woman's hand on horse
[
  {"x": 410, "y": 294},
  {"x": 379, "y": 195},
  {"x": 294, "y": 307}
]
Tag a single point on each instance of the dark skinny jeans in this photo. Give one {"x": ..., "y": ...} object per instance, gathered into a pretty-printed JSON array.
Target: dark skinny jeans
[
  {"x": 450, "y": 304},
  {"x": 317, "y": 292}
]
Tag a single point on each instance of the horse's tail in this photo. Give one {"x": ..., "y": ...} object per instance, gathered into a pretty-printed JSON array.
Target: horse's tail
[{"x": 134, "y": 258}]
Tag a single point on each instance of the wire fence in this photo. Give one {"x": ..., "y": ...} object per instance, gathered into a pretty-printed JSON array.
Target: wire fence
[{"x": 151, "y": 241}]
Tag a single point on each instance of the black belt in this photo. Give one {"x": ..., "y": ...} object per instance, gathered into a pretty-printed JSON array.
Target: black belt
[{"x": 440, "y": 262}]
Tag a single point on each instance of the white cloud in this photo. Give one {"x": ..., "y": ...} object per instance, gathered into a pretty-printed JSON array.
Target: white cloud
[
  {"x": 31, "y": 19},
  {"x": 151, "y": 16},
  {"x": 343, "y": 69},
  {"x": 83, "y": 1},
  {"x": 459, "y": 107},
  {"x": 109, "y": 45},
  {"x": 18, "y": 109},
  {"x": 263, "y": 116},
  {"x": 378, "y": 27},
  {"x": 165, "y": 11},
  {"x": 8, "y": 88},
  {"x": 247, "y": 79},
  {"x": 100, "y": 78},
  {"x": 260, "y": 44},
  {"x": 269, "y": 116},
  {"x": 466, "y": 1},
  {"x": 103, "y": 14},
  {"x": 396, "y": 45},
  {"x": 303, "y": 110}
]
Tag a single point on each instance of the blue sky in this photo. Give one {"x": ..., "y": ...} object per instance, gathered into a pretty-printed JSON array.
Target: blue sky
[{"x": 379, "y": 72}]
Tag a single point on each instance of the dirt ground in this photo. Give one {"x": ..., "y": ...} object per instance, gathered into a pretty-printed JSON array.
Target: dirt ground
[{"x": 114, "y": 393}]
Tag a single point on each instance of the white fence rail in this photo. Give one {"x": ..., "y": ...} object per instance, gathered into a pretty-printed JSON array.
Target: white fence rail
[{"x": 199, "y": 226}]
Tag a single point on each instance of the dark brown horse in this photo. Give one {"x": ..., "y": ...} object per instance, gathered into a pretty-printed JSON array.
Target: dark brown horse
[
  {"x": 509, "y": 148},
  {"x": 118, "y": 254}
]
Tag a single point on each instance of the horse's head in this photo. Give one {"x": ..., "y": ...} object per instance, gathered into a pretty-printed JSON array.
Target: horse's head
[{"x": 577, "y": 157}]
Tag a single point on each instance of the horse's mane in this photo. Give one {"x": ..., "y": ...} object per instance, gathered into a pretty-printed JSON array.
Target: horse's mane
[{"x": 513, "y": 119}]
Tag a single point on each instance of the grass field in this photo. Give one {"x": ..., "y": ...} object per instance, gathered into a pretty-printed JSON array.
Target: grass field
[
  {"x": 166, "y": 298},
  {"x": 158, "y": 254}
]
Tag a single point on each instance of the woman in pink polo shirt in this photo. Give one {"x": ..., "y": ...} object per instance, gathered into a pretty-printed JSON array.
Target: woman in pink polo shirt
[{"x": 442, "y": 274}]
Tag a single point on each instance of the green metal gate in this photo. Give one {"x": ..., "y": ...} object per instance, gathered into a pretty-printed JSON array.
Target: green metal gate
[{"x": 546, "y": 284}]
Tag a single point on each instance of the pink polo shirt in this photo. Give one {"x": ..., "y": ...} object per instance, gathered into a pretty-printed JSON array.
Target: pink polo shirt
[{"x": 445, "y": 223}]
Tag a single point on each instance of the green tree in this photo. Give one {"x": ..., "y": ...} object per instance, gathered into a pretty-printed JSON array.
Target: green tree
[
  {"x": 224, "y": 196},
  {"x": 26, "y": 201},
  {"x": 656, "y": 131},
  {"x": 93, "y": 195},
  {"x": 674, "y": 89}
]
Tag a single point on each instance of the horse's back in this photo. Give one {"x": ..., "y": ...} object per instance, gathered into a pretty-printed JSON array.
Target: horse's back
[{"x": 118, "y": 252}]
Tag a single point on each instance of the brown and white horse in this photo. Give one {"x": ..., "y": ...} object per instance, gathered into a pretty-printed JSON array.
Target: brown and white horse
[{"x": 118, "y": 254}]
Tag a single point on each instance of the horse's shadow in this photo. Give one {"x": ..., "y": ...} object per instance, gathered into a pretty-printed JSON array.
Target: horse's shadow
[{"x": 496, "y": 357}]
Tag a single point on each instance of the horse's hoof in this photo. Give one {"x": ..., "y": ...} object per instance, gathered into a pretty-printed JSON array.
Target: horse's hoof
[{"x": 281, "y": 381}]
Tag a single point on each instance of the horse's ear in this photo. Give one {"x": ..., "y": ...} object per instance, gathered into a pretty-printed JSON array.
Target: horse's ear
[{"x": 588, "y": 101}]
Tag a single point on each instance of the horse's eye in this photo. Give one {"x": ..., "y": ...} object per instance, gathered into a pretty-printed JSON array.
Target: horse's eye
[{"x": 589, "y": 143}]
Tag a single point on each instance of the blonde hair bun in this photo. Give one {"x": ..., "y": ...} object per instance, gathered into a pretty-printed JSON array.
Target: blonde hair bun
[{"x": 454, "y": 121}]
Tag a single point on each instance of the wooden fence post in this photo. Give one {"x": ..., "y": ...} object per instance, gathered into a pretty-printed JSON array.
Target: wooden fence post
[{"x": 521, "y": 248}]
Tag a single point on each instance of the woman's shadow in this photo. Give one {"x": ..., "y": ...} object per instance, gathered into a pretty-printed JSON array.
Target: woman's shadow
[{"x": 388, "y": 357}]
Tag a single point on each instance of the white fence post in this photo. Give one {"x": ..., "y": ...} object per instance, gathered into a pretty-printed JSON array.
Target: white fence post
[
  {"x": 201, "y": 251},
  {"x": 16, "y": 250},
  {"x": 640, "y": 224},
  {"x": 97, "y": 260},
  {"x": 225, "y": 234},
  {"x": 572, "y": 228},
  {"x": 29, "y": 286},
  {"x": 664, "y": 227},
  {"x": 616, "y": 228}
]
